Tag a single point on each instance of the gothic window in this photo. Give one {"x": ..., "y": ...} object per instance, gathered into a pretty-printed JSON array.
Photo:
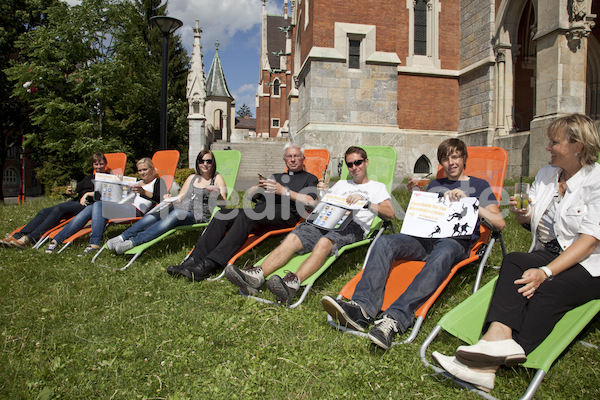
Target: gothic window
[
  {"x": 276, "y": 86},
  {"x": 11, "y": 177},
  {"x": 354, "y": 54},
  {"x": 422, "y": 166},
  {"x": 420, "y": 28},
  {"x": 196, "y": 107}
]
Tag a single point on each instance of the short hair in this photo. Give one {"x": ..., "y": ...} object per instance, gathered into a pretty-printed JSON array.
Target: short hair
[
  {"x": 146, "y": 160},
  {"x": 97, "y": 157},
  {"x": 357, "y": 150},
  {"x": 449, "y": 146},
  {"x": 292, "y": 145},
  {"x": 578, "y": 128},
  {"x": 213, "y": 167}
]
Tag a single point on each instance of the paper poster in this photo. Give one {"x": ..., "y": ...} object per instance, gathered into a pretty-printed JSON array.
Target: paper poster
[{"x": 431, "y": 216}]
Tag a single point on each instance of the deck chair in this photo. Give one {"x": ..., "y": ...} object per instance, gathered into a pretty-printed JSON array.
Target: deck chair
[
  {"x": 228, "y": 164},
  {"x": 487, "y": 163},
  {"x": 382, "y": 165},
  {"x": 466, "y": 320},
  {"x": 165, "y": 162},
  {"x": 315, "y": 162},
  {"x": 116, "y": 163}
]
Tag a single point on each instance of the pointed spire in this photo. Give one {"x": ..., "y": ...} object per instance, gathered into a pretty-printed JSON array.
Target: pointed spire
[
  {"x": 196, "y": 80},
  {"x": 285, "y": 9},
  {"x": 216, "y": 85}
]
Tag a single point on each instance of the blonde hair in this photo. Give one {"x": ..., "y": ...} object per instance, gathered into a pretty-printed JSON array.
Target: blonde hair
[
  {"x": 578, "y": 128},
  {"x": 147, "y": 161}
]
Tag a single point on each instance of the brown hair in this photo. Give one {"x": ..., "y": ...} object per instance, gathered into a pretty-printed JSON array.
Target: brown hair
[
  {"x": 213, "y": 167},
  {"x": 448, "y": 147},
  {"x": 355, "y": 149}
]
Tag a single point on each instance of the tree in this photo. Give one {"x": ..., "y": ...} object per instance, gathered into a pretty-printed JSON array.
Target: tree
[
  {"x": 96, "y": 70},
  {"x": 244, "y": 111}
]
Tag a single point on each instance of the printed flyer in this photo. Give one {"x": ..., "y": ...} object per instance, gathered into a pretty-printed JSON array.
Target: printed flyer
[
  {"x": 111, "y": 188},
  {"x": 334, "y": 213}
]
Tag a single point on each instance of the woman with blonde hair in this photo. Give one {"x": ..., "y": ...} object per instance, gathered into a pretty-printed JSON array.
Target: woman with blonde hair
[
  {"x": 560, "y": 272},
  {"x": 147, "y": 193}
]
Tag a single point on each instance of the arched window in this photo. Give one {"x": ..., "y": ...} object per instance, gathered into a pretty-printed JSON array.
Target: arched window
[
  {"x": 422, "y": 166},
  {"x": 276, "y": 86}
]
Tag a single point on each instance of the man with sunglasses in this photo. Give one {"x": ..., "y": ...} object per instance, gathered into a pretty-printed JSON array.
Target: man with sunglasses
[
  {"x": 439, "y": 256},
  {"x": 279, "y": 201},
  {"x": 321, "y": 242}
]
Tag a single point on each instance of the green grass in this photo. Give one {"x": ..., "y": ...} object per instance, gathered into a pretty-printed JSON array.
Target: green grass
[{"x": 73, "y": 330}]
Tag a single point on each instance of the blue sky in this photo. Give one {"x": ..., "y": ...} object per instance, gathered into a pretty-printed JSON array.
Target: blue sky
[{"x": 236, "y": 25}]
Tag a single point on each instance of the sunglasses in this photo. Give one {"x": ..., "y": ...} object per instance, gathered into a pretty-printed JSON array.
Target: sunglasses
[
  {"x": 356, "y": 163},
  {"x": 209, "y": 161}
]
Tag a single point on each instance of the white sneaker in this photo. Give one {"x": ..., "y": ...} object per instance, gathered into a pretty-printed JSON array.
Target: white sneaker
[
  {"x": 481, "y": 380},
  {"x": 122, "y": 247},
  {"x": 111, "y": 244},
  {"x": 249, "y": 280}
]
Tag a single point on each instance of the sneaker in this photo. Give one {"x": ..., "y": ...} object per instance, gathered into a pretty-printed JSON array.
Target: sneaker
[
  {"x": 200, "y": 271},
  {"x": 21, "y": 243},
  {"x": 122, "y": 247},
  {"x": 382, "y": 334},
  {"x": 112, "y": 243},
  {"x": 175, "y": 270},
  {"x": 88, "y": 251},
  {"x": 52, "y": 247},
  {"x": 348, "y": 314},
  {"x": 248, "y": 280},
  {"x": 284, "y": 288},
  {"x": 8, "y": 240}
]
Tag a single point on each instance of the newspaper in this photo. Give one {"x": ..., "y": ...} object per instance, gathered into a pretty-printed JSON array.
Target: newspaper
[{"x": 111, "y": 188}]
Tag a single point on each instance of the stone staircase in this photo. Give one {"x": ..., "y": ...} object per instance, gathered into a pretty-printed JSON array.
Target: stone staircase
[{"x": 257, "y": 158}]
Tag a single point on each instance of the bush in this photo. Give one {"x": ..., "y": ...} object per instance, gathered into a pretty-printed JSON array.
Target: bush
[{"x": 182, "y": 174}]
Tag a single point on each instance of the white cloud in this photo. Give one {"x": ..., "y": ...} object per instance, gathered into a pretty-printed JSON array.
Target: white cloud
[{"x": 246, "y": 94}]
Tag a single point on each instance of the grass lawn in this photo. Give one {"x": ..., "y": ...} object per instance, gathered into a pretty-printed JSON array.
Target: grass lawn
[{"x": 73, "y": 330}]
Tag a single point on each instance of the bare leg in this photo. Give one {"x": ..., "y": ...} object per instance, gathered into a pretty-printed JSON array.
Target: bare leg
[
  {"x": 282, "y": 254},
  {"x": 317, "y": 258},
  {"x": 497, "y": 331}
]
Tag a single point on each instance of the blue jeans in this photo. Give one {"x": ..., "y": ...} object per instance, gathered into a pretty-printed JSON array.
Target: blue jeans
[
  {"x": 439, "y": 256},
  {"x": 48, "y": 218},
  {"x": 151, "y": 226},
  {"x": 98, "y": 212}
]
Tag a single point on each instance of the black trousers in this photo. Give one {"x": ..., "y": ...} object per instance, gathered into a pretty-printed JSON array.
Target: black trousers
[
  {"x": 533, "y": 319},
  {"x": 224, "y": 236}
]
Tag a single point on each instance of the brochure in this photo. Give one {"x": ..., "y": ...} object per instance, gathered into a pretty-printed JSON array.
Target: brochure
[
  {"x": 333, "y": 213},
  {"x": 111, "y": 188},
  {"x": 431, "y": 215},
  {"x": 164, "y": 204}
]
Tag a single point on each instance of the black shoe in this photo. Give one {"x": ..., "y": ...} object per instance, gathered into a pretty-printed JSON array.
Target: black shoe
[
  {"x": 200, "y": 271},
  {"x": 175, "y": 270},
  {"x": 284, "y": 288},
  {"x": 382, "y": 334},
  {"x": 348, "y": 314}
]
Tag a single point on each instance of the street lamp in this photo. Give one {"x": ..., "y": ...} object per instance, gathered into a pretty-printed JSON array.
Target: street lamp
[{"x": 167, "y": 26}]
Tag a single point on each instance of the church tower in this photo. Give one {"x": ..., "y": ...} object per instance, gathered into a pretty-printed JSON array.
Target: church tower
[
  {"x": 196, "y": 95},
  {"x": 220, "y": 105}
]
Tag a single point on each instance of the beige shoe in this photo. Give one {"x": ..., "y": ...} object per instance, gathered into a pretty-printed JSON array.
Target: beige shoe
[
  {"x": 481, "y": 380},
  {"x": 22, "y": 243},
  {"x": 7, "y": 241}
]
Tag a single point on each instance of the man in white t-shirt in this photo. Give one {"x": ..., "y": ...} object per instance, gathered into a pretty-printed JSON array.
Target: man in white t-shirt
[{"x": 321, "y": 242}]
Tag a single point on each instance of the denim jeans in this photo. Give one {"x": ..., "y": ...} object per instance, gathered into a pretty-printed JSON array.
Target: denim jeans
[
  {"x": 98, "y": 212},
  {"x": 152, "y": 226},
  {"x": 47, "y": 218},
  {"x": 439, "y": 256}
]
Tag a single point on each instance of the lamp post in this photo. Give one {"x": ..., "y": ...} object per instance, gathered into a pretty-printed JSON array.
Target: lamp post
[{"x": 167, "y": 26}]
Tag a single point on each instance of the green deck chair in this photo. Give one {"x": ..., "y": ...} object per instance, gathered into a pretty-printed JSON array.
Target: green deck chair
[
  {"x": 466, "y": 320},
  {"x": 382, "y": 164},
  {"x": 228, "y": 164}
]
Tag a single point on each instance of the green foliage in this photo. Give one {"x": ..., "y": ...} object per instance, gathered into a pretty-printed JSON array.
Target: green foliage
[
  {"x": 182, "y": 174},
  {"x": 244, "y": 111},
  {"x": 95, "y": 71},
  {"x": 74, "y": 330}
]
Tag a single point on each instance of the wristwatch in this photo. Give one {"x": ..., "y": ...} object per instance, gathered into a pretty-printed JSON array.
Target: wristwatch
[
  {"x": 287, "y": 192},
  {"x": 548, "y": 272},
  {"x": 367, "y": 204}
]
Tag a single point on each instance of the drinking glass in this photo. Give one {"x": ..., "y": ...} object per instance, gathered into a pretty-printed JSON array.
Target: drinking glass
[{"x": 522, "y": 195}]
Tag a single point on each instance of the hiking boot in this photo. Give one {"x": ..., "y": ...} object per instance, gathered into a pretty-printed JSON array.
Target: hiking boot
[
  {"x": 111, "y": 244},
  {"x": 88, "y": 251},
  {"x": 200, "y": 271},
  {"x": 284, "y": 288},
  {"x": 122, "y": 247},
  {"x": 248, "y": 280},
  {"x": 382, "y": 334},
  {"x": 348, "y": 314},
  {"x": 175, "y": 270}
]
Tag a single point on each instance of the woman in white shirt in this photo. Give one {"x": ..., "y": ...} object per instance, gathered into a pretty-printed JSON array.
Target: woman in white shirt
[{"x": 561, "y": 271}]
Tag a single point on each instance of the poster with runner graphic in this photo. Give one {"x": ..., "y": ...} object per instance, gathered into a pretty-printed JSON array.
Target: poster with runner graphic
[{"x": 431, "y": 215}]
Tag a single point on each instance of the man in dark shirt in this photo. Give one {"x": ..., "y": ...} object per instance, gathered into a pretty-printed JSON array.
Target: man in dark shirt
[{"x": 279, "y": 201}]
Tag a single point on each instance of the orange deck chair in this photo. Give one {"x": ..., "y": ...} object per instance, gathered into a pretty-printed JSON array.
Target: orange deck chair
[
  {"x": 165, "y": 162},
  {"x": 115, "y": 163},
  {"x": 315, "y": 162},
  {"x": 487, "y": 163}
]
